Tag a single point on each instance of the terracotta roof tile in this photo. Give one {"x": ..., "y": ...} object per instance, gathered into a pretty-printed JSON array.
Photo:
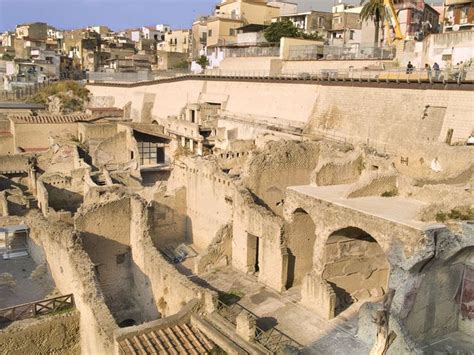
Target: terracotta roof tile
[
  {"x": 177, "y": 339},
  {"x": 51, "y": 118}
]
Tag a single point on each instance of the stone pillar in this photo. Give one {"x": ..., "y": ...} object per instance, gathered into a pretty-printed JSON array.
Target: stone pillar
[
  {"x": 318, "y": 295},
  {"x": 183, "y": 142},
  {"x": 246, "y": 326},
  {"x": 191, "y": 146},
  {"x": 199, "y": 148}
]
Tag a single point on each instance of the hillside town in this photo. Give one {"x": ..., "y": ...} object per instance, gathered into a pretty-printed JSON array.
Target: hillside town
[{"x": 275, "y": 178}]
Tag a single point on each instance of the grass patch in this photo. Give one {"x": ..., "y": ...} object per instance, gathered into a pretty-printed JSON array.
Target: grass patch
[
  {"x": 390, "y": 193},
  {"x": 456, "y": 214},
  {"x": 231, "y": 297}
]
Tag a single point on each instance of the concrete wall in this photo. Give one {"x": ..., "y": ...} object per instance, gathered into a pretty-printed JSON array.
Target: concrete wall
[
  {"x": 55, "y": 334},
  {"x": 376, "y": 116},
  {"x": 314, "y": 66},
  {"x": 334, "y": 109}
]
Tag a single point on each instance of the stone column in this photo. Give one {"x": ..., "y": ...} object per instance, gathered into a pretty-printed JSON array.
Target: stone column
[
  {"x": 199, "y": 148},
  {"x": 246, "y": 326},
  {"x": 183, "y": 142},
  {"x": 191, "y": 146}
]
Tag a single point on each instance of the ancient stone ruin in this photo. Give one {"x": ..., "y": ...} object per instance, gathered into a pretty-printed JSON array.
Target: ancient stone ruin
[{"x": 239, "y": 216}]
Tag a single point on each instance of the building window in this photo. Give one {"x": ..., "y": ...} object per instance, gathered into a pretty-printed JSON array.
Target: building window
[
  {"x": 209, "y": 33},
  {"x": 232, "y": 32},
  {"x": 351, "y": 34}
]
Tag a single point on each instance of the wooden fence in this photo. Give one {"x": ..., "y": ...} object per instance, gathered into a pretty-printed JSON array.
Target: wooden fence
[{"x": 39, "y": 308}]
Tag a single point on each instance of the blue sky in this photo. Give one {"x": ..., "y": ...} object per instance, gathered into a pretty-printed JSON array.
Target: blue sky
[{"x": 117, "y": 14}]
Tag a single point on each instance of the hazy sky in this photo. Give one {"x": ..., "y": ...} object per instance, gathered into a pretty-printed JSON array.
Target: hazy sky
[{"x": 117, "y": 14}]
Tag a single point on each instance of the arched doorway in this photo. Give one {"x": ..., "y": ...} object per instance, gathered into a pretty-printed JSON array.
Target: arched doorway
[
  {"x": 355, "y": 266},
  {"x": 300, "y": 243}
]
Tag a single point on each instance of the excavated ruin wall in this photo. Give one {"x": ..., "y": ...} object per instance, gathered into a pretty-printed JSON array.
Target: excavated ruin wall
[
  {"x": 280, "y": 164},
  {"x": 29, "y": 136},
  {"x": 209, "y": 196},
  {"x": 73, "y": 272},
  {"x": 18, "y": 162},
  {"x": 252, "y": 221},
  {"x": 112, "y": 150},
  {"x": 171, "y": 290},
  {"x": 6, "y": 144},
  {"x": 55, "y": 334},
  {"x": 353, "y": 112},
  {"x": 96, "y": 131}
]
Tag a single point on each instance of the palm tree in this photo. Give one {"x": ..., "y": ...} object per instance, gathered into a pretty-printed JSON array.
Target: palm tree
[{"x": 373, "y": 10}]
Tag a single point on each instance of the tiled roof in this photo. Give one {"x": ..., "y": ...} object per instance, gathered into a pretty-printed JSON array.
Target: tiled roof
[
  {"x": 51, "y": 118},
  {"x": 178, "y": 339}
]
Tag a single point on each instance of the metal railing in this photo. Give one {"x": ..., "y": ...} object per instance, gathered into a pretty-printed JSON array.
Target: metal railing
[
  {"x": 253, "y": 51},
  {"x": 39, "y": 308},
  {"x": 398, "y": 75},
  {"x": 272, "y": 339},
  {"x": 120, "y": 77}
]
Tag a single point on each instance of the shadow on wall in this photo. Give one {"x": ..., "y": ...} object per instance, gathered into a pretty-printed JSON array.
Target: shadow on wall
[
  {"x": 438, "y": 311},
  {"x": 356, "y": 266},
  {"x": 126, "y": 288},
  {"x": 300, "y": 244},
  {"x": 63, "y": 199}
]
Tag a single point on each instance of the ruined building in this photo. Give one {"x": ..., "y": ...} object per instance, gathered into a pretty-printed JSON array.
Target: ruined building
[{"x": 241, "y": 216}]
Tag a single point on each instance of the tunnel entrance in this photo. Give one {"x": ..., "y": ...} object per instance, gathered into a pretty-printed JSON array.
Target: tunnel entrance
[
  {"x": 301, "y": 237},
  {"x": 355, "y": 266}
]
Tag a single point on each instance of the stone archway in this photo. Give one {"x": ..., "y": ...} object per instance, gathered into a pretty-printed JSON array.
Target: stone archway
[
  {"x": 355, "y": 266},
  {"x": 300, "y": 244}
]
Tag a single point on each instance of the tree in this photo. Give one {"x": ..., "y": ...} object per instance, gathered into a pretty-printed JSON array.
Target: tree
[
  {"x": 277, "y": 30},
  {"x": 286, "y": 28},
  {"x": 203, "y": 62},
  {"x": 8, "y": 56},
  {"x": 374, "y": 10}
]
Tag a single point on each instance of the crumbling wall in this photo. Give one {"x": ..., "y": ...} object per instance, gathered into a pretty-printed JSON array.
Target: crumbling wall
[
  {"x": 336, "y": 170},
  {"x": 7, "y": 145},
  {"x": 34, "y": 136},
  {"x": 54, "y": 334},
  {"x": 356, "y": 265},
  {"x": 73, "y": 272},
  {"x": 171, "y": 290},
  {"x": 218, "y": 253},
  {"x": 112, "y": 151},
  {"x": 300, "y": 237},
  {"x": 375, "y": 184},
  {"x": 62, "y": 194},
  {"x": 280, "y": 164},
  {"x": 250, "y": 222},
  {"x": 17, "y": 162},
  {"x": 168, "y": 226},
  {"x": 42, "y": 197},
  {"x": 437, "y": 311},
  {"x": 208, "y": 198},
  {"x": 96, "y": 131}
]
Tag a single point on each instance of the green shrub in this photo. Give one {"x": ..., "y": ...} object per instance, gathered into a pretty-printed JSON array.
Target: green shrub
[{"x": 390, "y": 193}]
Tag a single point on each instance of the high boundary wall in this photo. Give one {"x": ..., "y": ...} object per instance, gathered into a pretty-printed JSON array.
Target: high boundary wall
[{"x": 380, "y": 112}]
